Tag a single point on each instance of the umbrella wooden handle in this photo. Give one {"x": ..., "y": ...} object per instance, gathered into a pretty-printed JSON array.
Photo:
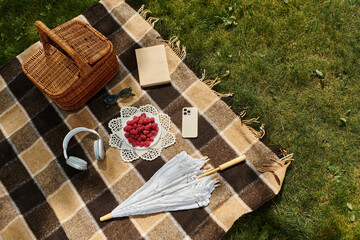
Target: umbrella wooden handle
[
  {"x": 106, "y": 217},
  {"x": 224, "y": 166},
  {"x": 232, "y": 162}
]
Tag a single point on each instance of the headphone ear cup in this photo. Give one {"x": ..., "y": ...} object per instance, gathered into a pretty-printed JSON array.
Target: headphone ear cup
[
  {"x": 99, "y": 149},
  {"x": 77, "y": 163}
]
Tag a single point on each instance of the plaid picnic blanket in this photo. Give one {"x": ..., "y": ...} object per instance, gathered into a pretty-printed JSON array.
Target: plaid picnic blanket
[{"x": 42, "y": 197}]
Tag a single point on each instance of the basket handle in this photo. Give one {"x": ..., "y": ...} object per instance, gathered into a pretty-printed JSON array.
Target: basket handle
[{"x": 46, "y": 34}]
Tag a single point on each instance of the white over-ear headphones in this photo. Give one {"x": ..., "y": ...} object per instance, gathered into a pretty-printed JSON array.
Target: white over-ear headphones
[{"x": 76, "y": 162}]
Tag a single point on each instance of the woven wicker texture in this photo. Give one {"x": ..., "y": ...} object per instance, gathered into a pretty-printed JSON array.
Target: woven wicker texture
[
  {"x": 84, "y": 39},
  {"x": 73, "y": 64}
]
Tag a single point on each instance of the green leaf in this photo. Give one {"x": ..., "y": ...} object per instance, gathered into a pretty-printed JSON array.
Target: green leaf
[
  {"x": 319, "y": 73},
  {"x": 350, "y": 206},
  {"x": 352, "y": 217},
  {"x": 286, "y": 1},
  {"x": 227, "y": 72},
  {"x": 264, "y": 235},
  {"x": 17, "y": 38},
  {"x": 266, "y": 232},
  {"x": 343, "y": 121},
  {"x": 227, "y": 22},
  {"x": 43, "y": 14},
  {"x": 337, "y": 179}
]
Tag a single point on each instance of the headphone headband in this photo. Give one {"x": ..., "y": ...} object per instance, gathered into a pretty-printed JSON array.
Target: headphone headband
[{"x": 72, "y": 133}]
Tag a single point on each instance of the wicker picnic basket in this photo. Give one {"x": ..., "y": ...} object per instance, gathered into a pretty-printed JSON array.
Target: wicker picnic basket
[{"x": 73, "y": 64}]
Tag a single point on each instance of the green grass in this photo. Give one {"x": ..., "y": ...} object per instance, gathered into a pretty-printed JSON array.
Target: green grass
[
  {"x": 272, "y": 50},
  {"x": 17, "y": 31}
]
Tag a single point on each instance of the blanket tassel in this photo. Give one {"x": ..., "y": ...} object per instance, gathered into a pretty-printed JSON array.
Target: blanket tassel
[
  {"x": 212, "y": 83},
  {"x": 273, "y": 164},
  {"x": 174, "y": 44},
  {"x": 143, "y": 12},
  {"x": 258, "y": 134}
]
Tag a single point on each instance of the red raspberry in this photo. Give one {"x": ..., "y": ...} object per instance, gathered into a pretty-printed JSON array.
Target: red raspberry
[
  {"x": 146, "y": 132},
  {"x": 143, "y": 115},
  {"x": 135, "y": 125},
  {"x": 157, "y": 129},
  {"x": 143, "y": 137},
  {"x": 131, "y": 140},
  {"x": 130, "y": 122},
  {"x": 134, "y": 144},
  {"x": 154, "y": 125},
  {"x": 127, "y": 135},
  {"x": 147, "y": 127},
  {"x": 133, "y": 132},
  {"x": 147, "y": 144},
  {"x": 154, "y": 133},
  {"x": 151, "y": 139},
  {"x": 149, "y": 135},
  {"x": 142, "y": 144},
  {"x": 141, "y": 122},
  {"x": 152, "y": 120}
]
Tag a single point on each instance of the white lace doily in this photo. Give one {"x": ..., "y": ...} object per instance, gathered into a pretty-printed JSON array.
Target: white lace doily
[{"x": 128, "y": 153}]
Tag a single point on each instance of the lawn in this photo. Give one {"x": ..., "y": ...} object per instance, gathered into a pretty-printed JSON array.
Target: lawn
[{"x": 295, "y": 64}]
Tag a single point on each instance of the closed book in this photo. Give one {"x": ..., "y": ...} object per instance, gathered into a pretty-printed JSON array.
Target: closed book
[{"x": 152, "y": 66}]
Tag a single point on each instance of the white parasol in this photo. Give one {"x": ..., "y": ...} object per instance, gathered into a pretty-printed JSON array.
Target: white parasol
[{"x": 178, "y": 185}]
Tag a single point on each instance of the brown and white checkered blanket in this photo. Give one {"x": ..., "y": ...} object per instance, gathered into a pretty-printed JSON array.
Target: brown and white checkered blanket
[{"x": 42, "y": 197}]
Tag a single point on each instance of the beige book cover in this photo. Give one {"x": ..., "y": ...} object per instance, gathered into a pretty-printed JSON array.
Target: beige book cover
[{"x": 152, "y": 66}]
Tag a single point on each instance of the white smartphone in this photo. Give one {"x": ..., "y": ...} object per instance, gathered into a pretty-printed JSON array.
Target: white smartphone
[{"x": 189, "y": 122}]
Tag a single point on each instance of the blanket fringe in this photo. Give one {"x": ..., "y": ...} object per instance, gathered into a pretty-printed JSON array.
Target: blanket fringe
[
  {"x": 273, "y": 164},
  {"x": 258, "y": 134},
  {"x": 174, "y": 44},
  {"x": 212, "y": 83},
  {"x": 152, "y": 21},
  {"x": 251, "y": 120},
  {"x": 143, "y": 13}
]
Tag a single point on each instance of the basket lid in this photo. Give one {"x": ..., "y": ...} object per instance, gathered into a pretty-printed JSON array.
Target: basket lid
[{"x": 89, "y": 44}]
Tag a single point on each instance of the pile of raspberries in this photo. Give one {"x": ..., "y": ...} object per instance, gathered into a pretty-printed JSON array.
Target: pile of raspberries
[{"x": 141, "y": 130}]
